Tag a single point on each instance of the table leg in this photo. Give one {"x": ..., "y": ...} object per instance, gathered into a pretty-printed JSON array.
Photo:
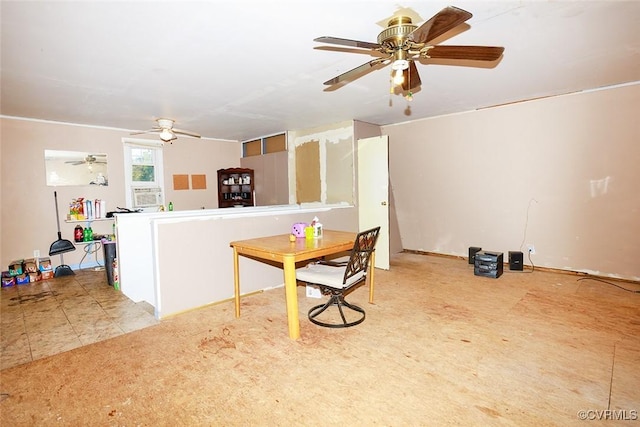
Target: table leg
[
  {"x": 372, "y": 267},
  {"x": 236, "y": 281},
  {"x": 292, "y": 297}
]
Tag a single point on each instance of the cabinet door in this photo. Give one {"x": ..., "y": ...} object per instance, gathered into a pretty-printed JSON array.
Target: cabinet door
[{"x": 271, "y": 178}]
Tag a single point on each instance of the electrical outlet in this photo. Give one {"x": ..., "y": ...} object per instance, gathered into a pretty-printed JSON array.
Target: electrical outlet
[
  {"x": 36, "y": 253},
  {"x": 531, "y": 249}
]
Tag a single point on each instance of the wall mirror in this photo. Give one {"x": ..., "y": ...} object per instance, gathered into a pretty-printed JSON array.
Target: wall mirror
[{"x": 75, "y": 168}]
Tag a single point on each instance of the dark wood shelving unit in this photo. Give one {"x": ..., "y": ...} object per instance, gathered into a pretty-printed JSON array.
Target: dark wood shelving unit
[{"x": 235, "y": 187}]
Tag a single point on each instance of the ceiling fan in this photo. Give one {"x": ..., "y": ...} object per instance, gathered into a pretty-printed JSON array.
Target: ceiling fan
[
  {"x": 167, "y": 131},
  {"x": 403, "y": 43},
  {"x": 89, "y": 160}
]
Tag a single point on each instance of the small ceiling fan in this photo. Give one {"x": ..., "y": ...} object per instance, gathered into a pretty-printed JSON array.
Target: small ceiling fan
[
  {"x": 89, "y": 160},
  {"x": 403, "y": 43},
  {"x": 167, "y": 131}
]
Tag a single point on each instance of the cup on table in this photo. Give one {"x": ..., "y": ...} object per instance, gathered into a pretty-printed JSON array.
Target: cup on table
[{"x": 308, "y": 233}]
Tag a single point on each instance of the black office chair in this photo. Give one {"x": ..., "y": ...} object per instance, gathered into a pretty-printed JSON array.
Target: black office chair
[{"x": 339, "y": 278}]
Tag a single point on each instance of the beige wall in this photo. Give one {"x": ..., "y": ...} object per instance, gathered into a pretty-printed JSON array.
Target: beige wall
[
  {"x": 561, "y": 173},
  {"x": 27, "y": 213},
  {"x": 190, "y": 156}
]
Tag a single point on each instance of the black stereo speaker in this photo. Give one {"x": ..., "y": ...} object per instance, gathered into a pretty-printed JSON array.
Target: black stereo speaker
[
  {"x": 515, "y": 260},
  {"x": 488, "y": 264},
  {"x": 472, "y": 253}
]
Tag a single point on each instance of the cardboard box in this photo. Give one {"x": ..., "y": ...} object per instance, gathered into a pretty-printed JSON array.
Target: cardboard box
[
  {"x": 34, "y": 276},
  {"x": 46, "y": 275},
  {"x": 45, "y": 264},
  {"x": 30, "y": 265},
  {"x": 22, "y": 279},
  {"x": 15, "y": 267},
  {"x": 7, "y": 279}
]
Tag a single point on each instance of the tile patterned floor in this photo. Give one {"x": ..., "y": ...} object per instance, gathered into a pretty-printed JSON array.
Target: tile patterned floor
[{"x": 52, "y": 316}]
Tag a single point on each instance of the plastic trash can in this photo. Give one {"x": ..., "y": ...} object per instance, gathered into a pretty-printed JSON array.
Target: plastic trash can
[{"x": 109, "y": 256}]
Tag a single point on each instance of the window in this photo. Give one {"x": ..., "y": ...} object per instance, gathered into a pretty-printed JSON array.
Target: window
[
  {"x": 265, "y": 145},
  {"x": 143, "y": 166}
]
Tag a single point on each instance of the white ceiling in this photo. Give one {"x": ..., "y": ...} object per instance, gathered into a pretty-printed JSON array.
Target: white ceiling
[{"x": 242, "y": 69}]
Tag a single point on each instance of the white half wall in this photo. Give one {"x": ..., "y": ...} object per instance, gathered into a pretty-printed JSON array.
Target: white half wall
[{"x": 178, "y": 261}]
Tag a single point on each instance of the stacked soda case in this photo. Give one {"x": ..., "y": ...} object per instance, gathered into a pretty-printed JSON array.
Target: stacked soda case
[{"x": 27, "y": 270}]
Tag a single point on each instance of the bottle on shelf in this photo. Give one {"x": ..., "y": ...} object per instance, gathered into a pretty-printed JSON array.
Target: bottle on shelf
[
  {"x": 170, "y": 206},
  {"x": 78, "y": 233}
]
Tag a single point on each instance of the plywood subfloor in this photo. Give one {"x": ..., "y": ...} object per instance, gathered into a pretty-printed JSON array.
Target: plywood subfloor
[{"x": 440, "y": 346}]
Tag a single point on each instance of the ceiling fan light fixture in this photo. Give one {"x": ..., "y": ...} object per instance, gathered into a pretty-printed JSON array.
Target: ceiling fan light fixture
[
  {"x": 398, "y": 77},
  {"x": 400, "y": 64},
  {"x": 166, "y": 131},
  {"x": 166, "y": 135}
]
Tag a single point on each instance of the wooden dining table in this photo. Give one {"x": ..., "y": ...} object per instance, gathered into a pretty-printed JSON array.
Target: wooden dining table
[{"x": 281, "y": 249}]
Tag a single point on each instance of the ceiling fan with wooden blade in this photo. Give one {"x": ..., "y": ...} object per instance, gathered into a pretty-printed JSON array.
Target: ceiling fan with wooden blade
[
  {"x": 403, "y": 43},
  {"x": 167, "y": 131}
]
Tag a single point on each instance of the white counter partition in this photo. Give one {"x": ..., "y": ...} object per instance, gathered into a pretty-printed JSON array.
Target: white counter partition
[
  {"x": 135, "y": 256},
  {"x": 177, "y": 261}
]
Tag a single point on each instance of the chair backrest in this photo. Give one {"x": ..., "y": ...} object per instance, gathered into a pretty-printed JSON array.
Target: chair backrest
[{"x": 364, "y": 245}]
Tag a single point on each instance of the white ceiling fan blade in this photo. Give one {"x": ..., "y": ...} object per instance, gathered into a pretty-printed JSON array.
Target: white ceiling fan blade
[
  {"x": 140, "y": 132},
  {"x": 186, "y": 132}
]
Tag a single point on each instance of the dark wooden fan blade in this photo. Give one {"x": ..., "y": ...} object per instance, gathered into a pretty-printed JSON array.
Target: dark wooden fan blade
[
  {"x": 473, "y": 53},
  {"x": 411, "y": 77},
  {"x": 354, "y": 73},
  {"x": 345, "y": 49},
  {"x": 347, "y": 42},
  {"x": 443, "y": 21}
]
